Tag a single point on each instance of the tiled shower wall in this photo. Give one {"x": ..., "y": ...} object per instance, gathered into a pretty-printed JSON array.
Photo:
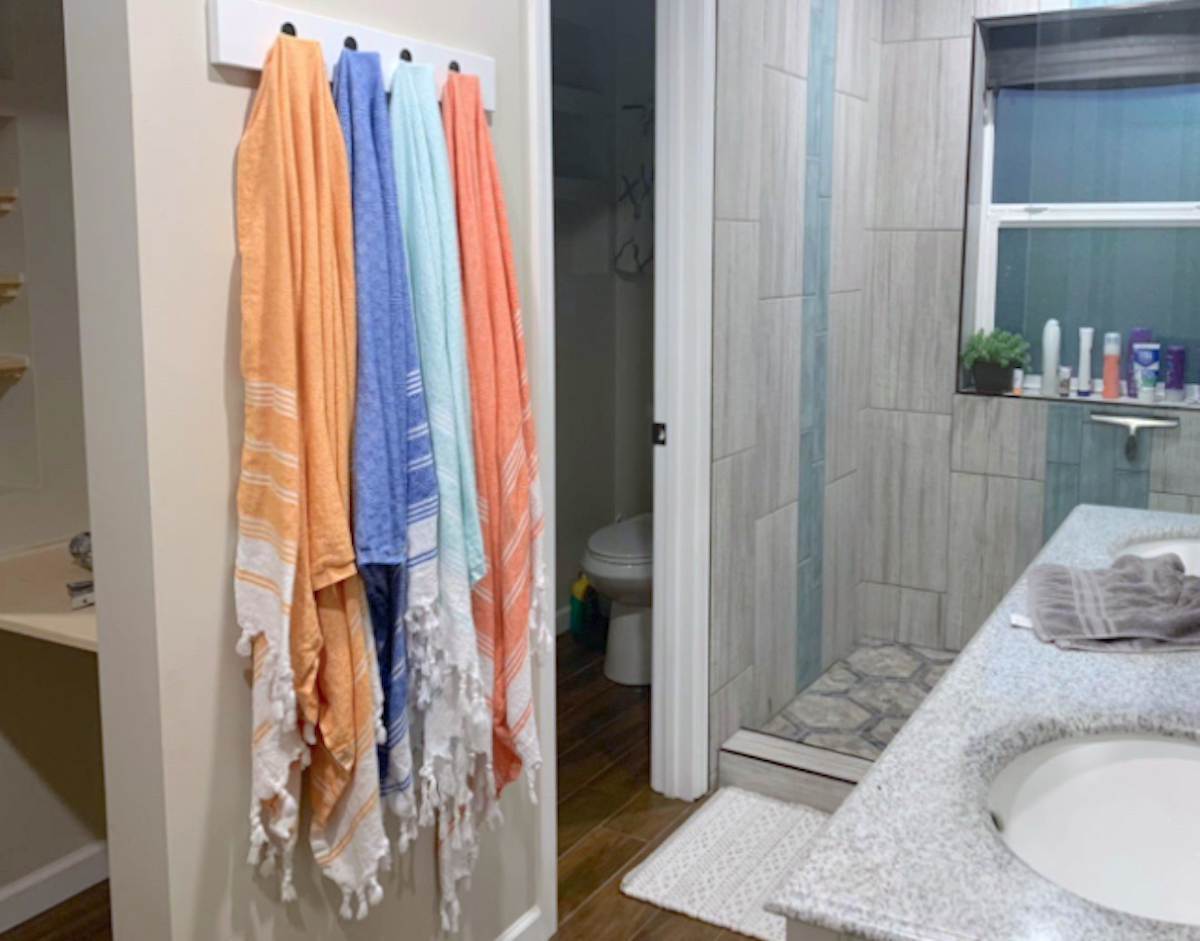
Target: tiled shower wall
[
  {"x": 762, "y": 67},
  {"x": 926, "y": 504},
  {"x": 957, "y": 493},
  {"x": 843, "y": 395}
]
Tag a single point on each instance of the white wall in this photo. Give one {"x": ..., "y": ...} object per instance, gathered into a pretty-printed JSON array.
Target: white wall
[{"x": 154, "y": 132}]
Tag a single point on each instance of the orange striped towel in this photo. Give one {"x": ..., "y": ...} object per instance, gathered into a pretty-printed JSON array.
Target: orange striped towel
[
  {"x": 299, "y": 600},
  {"x": 508, "y": 601}
]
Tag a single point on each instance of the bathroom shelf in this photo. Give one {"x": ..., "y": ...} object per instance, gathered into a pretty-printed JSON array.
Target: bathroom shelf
[
  {"x": 8, "y": 199},
  {"x": 34, "y": 601},
  {"x": 10, "y": 286},
  {"x": 13, "y": 365}
]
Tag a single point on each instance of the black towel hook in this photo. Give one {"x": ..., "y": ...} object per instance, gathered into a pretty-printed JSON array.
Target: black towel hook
[
  {"x": 288, "y": 28},
  {"x": 406, "y": 55},
  {"x": 351, "y": 42},
  {"x": 454, "y": 66}
]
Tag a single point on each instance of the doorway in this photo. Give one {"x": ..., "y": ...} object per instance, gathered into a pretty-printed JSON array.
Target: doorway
[{"x": 633, "y": 104}]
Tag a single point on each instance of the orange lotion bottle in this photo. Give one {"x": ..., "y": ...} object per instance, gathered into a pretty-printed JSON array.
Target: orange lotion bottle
[{"x": 1112, "y": 366}]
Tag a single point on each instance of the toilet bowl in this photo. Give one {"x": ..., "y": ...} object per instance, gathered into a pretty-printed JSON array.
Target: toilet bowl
[{"x": 619, "y": 563}]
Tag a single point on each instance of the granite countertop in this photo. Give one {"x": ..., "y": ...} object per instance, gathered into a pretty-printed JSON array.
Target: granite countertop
[{"x": 912, "y": 856}]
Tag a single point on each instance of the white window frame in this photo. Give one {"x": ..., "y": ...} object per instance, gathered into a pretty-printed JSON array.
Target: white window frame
[{"x": 992, "y": 217}]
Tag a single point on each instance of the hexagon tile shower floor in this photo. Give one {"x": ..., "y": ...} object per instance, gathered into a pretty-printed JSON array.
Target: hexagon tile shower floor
[{"x": 858, "y": 705}]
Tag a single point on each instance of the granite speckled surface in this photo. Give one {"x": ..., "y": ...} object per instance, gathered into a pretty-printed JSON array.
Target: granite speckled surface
[{"x": 912, "y": 856}]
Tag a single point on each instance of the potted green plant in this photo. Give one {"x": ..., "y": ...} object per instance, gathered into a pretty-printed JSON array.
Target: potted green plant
[{"x": 992, "y": 357}]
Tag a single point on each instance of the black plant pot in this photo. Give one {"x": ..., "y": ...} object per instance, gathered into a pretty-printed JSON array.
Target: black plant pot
[{"x": 992, "y": 378}]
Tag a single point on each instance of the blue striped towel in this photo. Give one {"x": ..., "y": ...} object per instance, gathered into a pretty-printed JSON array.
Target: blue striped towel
[{"x": 395, "y": 491}]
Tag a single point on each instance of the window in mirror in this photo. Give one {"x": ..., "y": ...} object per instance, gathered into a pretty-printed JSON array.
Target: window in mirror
[{"x": 1084, "y": 195}]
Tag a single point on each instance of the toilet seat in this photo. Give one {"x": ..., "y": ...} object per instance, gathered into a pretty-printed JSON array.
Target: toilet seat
[{"x": 629, "y": 542}]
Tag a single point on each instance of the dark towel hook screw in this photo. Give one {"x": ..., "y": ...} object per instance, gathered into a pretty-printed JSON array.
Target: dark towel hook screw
[
  {"x": 351, "y": 42},
  {"x": 288, "y": 28},
  {"x": 454, "y": 66},
  {"x": 406, "y": 55}
]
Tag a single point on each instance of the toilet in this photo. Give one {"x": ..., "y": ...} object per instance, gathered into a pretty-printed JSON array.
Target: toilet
[{"x": 619, "y": 564}]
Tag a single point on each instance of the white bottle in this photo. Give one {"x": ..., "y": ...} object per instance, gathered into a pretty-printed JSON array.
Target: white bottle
[
  {"x": 1051, "y": 344},
  {"x": 1086, "y": 336}
]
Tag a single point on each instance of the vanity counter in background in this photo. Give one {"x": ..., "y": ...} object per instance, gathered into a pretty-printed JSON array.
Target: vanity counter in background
[{"x": 34, "y": 599}]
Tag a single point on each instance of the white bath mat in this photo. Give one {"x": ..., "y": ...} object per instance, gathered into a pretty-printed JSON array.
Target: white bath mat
[{"x": 722, "y": 864}]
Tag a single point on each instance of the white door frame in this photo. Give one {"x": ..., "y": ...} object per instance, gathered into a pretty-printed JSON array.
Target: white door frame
[
  {"x": 541, "y": 922},
  {"x": 685, "y": 110}
]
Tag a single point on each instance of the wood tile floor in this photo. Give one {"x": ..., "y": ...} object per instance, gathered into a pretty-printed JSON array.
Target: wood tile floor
[
  {"x": 608, "y": 821},
  {"x": 608, "y": 818},
  {"x": 82, "y": 918}
]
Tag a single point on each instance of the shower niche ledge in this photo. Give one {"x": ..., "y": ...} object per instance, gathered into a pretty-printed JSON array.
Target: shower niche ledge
[{"x": 1126, "y": 404}]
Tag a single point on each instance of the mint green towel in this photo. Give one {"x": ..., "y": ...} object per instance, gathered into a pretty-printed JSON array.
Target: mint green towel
[{"x": 450, "y": 691}]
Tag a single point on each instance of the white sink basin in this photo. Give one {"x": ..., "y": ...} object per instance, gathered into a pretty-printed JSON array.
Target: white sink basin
[
  {"x": 1187, "y": 549},
  {"x": 1113, "y": 818}
]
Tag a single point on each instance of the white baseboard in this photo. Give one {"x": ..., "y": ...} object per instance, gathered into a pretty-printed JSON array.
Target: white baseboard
[
  {"x": 529, "y": 927},
  {"x": 54, "y": 883},
  {"x": 562, "y": 620}
]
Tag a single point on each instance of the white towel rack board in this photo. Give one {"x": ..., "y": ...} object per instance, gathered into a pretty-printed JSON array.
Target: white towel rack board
[{"x": 241, "y": 31}]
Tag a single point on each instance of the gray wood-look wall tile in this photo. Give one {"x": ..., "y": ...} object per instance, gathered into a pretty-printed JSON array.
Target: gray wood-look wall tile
[
  {"x": 735, "y": 508},
  {"x": 730, "y": 708},
  {"x": 999, "y": 436},
  {"x": 1174, "y": 503},
  {"x": 1031, "y": 463},
  {"x": 859, "y": 22},
  {"x": 907, "y": 615},
  {"x": 1003, "y": 525},
  {"x": 995, "y": 531},
  {"x": 781, "y": 250},
  {"x": 970, "y": 434},
  {"x": 775, "y": 611},
  {"x": 848, "y": 244},
  {"x": 740, "y": 56},
  {"x": 878, "y": 609},
  {"x": 786, "y": 35},
  {"x": 1175, "y": 458},
  {"x": 1004, "y": 438},
  {"x": 905, "y": 20},
  {"x": 735, "y": 328},
  {"x": 841, "y": 571},
  {"x": 1031, "y": 508},
  {"x": 777, "y": 372},
  {"x": 913, "y": 293},
  {"x": 987, "y": 8},
  {"x": 920, "y": 619},
  {"x": 845, "y": 383},
  {"x": 871, "y": 161},
  {"x": 968, "y": 558},
  {"x": 906, "y": 498},
  {"x": 923, "y": 118}
]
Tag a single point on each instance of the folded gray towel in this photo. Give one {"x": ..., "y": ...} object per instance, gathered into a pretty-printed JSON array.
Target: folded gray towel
[{"x": 1136, "y": 605}]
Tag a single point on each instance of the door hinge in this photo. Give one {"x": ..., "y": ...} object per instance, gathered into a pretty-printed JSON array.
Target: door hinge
[{"x": 658, "y": 433}]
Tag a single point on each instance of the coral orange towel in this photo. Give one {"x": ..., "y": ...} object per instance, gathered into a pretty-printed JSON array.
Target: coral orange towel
[
  {"x": 507, "y": 601},
  {"x": 299, "y": 599}
]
